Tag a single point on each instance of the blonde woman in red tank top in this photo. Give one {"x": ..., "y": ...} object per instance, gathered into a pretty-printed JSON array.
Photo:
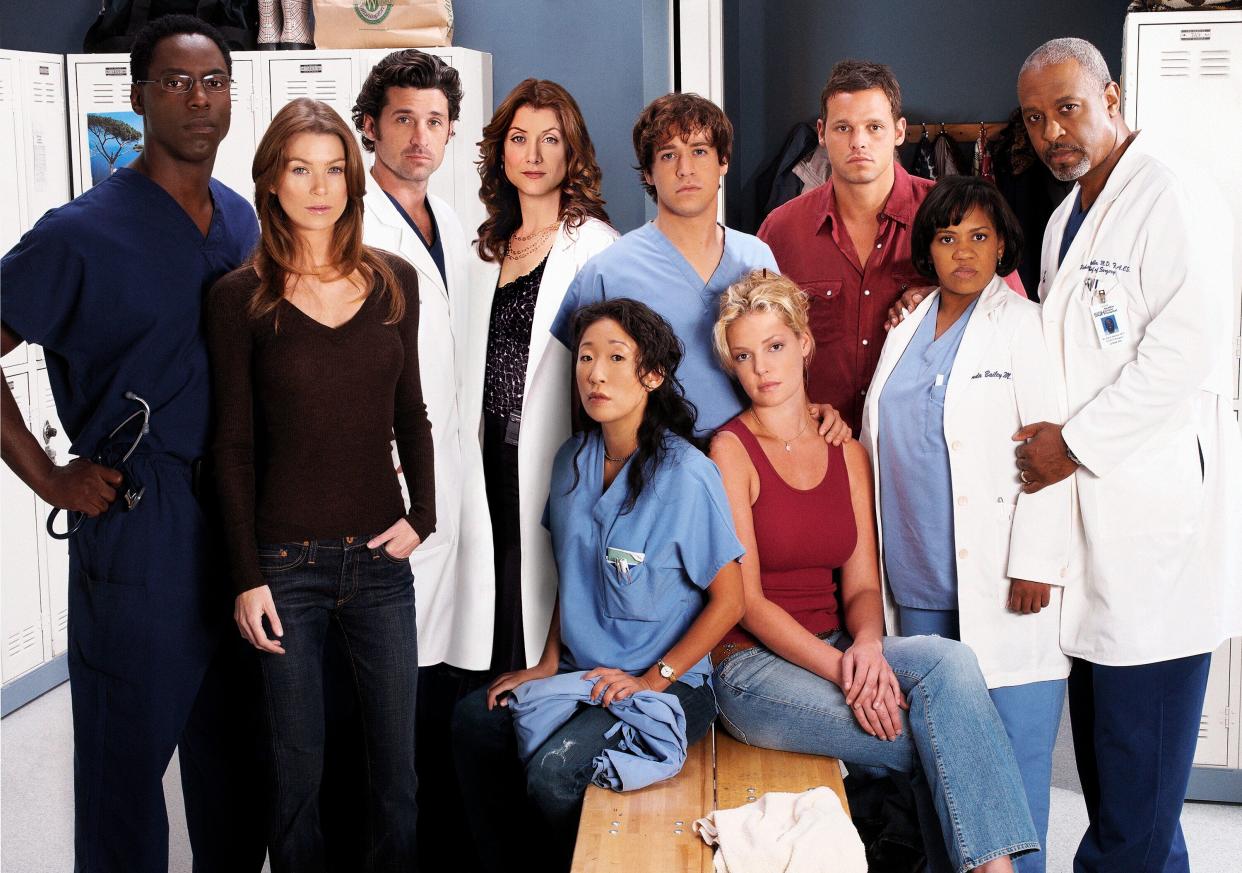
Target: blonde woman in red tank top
[{"x": 809, "y": 669}]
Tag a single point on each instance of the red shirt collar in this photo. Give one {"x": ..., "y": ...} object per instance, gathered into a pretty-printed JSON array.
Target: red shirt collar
[{"x": 899, "y": 207}]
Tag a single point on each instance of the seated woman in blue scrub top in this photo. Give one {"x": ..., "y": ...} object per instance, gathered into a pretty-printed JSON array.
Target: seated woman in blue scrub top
[
  {"x": 809, "y": 668},
  {"x": 314, "y": 354},
  {"x": 967, "y": 555},
  {"x": 649, "y": 582}
]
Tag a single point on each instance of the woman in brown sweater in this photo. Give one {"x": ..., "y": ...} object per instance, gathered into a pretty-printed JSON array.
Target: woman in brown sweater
[{"x": 315, "y": 364}]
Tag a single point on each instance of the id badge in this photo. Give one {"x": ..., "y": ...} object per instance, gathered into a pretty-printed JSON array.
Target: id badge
[
  {"x": 1110, "y": 324},
  {"x": 513, "y": 428}
]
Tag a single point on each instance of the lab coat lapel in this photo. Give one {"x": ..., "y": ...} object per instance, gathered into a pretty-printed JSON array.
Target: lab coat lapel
[
  {"x": 557, "y": 273},
  {"x": 975, "y": 339},
  {"x": 410, "y": 247}
]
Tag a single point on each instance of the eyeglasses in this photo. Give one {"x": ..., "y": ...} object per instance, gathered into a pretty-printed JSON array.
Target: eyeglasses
[{"x": 182, "y": 83}]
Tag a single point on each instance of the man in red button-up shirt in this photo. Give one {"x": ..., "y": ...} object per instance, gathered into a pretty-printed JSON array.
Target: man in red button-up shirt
[{"x": 847, "y": 242}]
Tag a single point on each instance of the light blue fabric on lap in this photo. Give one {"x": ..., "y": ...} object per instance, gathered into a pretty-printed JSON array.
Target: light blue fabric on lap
[{"x": 652, "y": 726}]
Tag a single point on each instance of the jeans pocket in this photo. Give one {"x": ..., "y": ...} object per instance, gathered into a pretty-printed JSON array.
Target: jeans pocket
[
  {"x": 383, "y": 550},
  {"x": 282, "y": 557}
]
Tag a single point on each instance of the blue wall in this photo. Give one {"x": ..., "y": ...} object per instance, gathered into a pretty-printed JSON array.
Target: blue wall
[
  {"x": 956, "y": 60},
  {"x": 612, "y": 55}
]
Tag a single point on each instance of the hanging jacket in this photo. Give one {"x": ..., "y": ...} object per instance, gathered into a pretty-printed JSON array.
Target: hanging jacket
[
  {"x": 946, "y": 157},
  {"x": 778, "y": 183},
  {"x": 923, "y": 163}
]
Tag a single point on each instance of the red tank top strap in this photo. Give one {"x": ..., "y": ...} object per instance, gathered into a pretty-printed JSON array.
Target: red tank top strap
[{"x": 758, "y": 457}]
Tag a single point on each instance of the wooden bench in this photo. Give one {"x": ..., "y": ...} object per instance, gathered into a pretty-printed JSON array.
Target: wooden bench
[{"x": 650, "y": 829}]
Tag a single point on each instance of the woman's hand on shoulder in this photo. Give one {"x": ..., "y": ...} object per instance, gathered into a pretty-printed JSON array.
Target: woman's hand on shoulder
[
  {"x": 871, "y": 689},
  {"x": 249, "y": 610},
  {"x": 399, "y": 541},
  {"x": 613, "y": 685},
  {"x": 498, "y": 692}
]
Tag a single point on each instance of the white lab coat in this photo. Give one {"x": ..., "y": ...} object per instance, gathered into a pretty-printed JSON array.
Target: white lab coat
[
  {"x": 1161, "y": 539},
  {"x": 453, "y": 572},
  {"x": 545, "y": 410},
  {"x": 1000, "y": 381}
]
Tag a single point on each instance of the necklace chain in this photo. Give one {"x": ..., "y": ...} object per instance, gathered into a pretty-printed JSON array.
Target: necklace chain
[
  {"x": 788, "y": 442},
  {"x": 608, "y": 457},
  {"x": 518, "y": 247}
]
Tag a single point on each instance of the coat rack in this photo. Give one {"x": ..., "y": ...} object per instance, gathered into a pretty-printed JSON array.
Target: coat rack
[{"x": 966, "y": 132}]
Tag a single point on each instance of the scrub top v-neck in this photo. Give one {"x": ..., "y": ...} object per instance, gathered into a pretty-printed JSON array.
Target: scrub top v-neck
[
  {"x": 645, "y": 265},
  {"x": 916, "y": 500},
  {"x": 680, "y": 525},
  {"x": 112, "y": 285},
  {"x": 435, "y": 247}
]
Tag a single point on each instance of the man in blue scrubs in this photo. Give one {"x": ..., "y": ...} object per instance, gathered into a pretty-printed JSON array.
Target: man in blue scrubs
[
  {"x": 680, "y": 263},
  {"x": 111, "y": 285}
]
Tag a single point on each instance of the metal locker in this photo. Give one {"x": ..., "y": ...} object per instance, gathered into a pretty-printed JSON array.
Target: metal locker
[
  {"x": 44, "y": 141},
  {"x": 51, "y": 435},
  {"x": 21, "y": 610},
  {"x": 330, "y": 76},
  {"x": 10, "y": 122}
]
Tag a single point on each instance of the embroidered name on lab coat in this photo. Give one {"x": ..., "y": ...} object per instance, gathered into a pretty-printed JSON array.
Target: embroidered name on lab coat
[{"x": 993, "y": 374}]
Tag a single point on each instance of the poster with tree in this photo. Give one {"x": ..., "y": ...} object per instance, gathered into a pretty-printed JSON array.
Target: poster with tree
[{"x": 115, "y": 140}]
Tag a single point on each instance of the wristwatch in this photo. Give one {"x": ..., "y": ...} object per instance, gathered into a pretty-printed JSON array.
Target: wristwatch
[
  {"x": 1069, "y": 453},
  {"x": 666, "y": 671}
]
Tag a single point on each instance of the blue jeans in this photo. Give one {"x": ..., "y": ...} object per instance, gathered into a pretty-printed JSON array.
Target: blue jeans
[
  {"x": 952, "y": 741},
  {"x": 370, "y": 597},
  {"x": 493, "y": 782},
  {"x": 1135, "y": 732},
  {"x": 1031, "y": 714}
]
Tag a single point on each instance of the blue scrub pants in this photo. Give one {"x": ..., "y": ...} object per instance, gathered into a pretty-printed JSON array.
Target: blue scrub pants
[
  {"x": 1031, "y": 714},
  {"x": 1135, "y": 732},
  {"x": 154, "y": 665}
]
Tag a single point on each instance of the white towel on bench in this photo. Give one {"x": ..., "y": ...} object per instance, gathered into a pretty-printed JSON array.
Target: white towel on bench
[{"x": 785, "y": 833}]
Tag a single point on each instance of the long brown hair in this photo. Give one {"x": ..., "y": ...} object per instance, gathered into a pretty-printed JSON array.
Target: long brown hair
[
  {"x": 275, "y": 260},
  {"x": 580, "y": 197}
]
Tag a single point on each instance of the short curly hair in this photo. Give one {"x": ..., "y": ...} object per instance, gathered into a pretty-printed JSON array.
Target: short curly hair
[
  {"x": 947, "y": 204},
  {"x": 679, "y": 114},
  {"x": 161, "y": 29},
  {"x": 761, "y": 291},
  {"x": 408, "y": 68}
]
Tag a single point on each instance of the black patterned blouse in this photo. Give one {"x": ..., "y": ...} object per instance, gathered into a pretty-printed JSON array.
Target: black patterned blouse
[{"x": 508, "y": 343}]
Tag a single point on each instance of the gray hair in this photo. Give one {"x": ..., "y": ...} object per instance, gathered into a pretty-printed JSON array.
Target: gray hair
[{"x": 1069, "y": 48}]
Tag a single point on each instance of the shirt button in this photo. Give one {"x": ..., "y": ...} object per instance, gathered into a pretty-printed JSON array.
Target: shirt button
[
  {"x": 867, "y": 293},
  {"x": 865, "y": 342},
  {"x": 863, "y": 392},
  {"x": 878, "y": 245},
  {"x": 961, "y": 501},
  {"x": 957, "y": 445},
  {"x": 827, "y": 293},
  {"x": 963, "y": 554}
]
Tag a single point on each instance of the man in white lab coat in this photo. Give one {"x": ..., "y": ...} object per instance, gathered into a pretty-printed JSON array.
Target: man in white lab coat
[
  {"x": 1136, "y": 289},
  {"x": 405, "y": 112}
]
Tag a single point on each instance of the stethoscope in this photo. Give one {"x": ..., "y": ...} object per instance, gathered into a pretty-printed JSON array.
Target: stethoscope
[{"x": 105, "y": 458}]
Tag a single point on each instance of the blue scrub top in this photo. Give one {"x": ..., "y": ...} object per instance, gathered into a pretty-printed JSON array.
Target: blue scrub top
[
  {"x": 681, "y": 524},
  {"x": 645, "y": 266},
  {"x": 916, "y": 488},
  {"x": 112, "y": 285}
]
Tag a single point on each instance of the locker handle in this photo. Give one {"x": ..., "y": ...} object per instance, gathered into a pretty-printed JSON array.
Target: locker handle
[{"x": 49, "y": 432}]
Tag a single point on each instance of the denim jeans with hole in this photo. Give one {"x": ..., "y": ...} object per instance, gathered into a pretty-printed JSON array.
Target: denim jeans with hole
[
  {"x": 370, "y": 598},
  {"x": 493, "y": 782},
  {"x": 952, "y": 741}
]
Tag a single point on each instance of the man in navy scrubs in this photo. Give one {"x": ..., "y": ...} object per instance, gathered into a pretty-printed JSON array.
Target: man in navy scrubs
[{"x": 111, "y": 286}]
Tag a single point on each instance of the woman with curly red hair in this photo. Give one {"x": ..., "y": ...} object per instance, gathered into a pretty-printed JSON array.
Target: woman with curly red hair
[{"x": 545, "y": 219}]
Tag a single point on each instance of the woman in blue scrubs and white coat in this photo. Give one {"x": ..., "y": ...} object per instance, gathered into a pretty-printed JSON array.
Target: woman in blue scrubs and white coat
[
  {"x": 649, "y": 583},
  {"x": 966, "y": 554}
]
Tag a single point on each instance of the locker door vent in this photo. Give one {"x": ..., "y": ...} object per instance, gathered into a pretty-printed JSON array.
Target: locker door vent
[
  {"x": 295, "y": 88},
  {"x": 5, "y": 96},
  {"x": 1215, "y": 63},
  {"x": 20, "y": 641},
  {"x": 325, "y": 90},
  {"x": 62, "y": 620},
  {"x": 107, "y": 93},
  {"x": 44, "y": 92},
  {"x": 1175, "y": 63}
]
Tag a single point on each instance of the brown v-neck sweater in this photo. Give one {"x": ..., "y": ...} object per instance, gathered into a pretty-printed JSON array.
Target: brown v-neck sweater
[{"x": 305, "y": 415}]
